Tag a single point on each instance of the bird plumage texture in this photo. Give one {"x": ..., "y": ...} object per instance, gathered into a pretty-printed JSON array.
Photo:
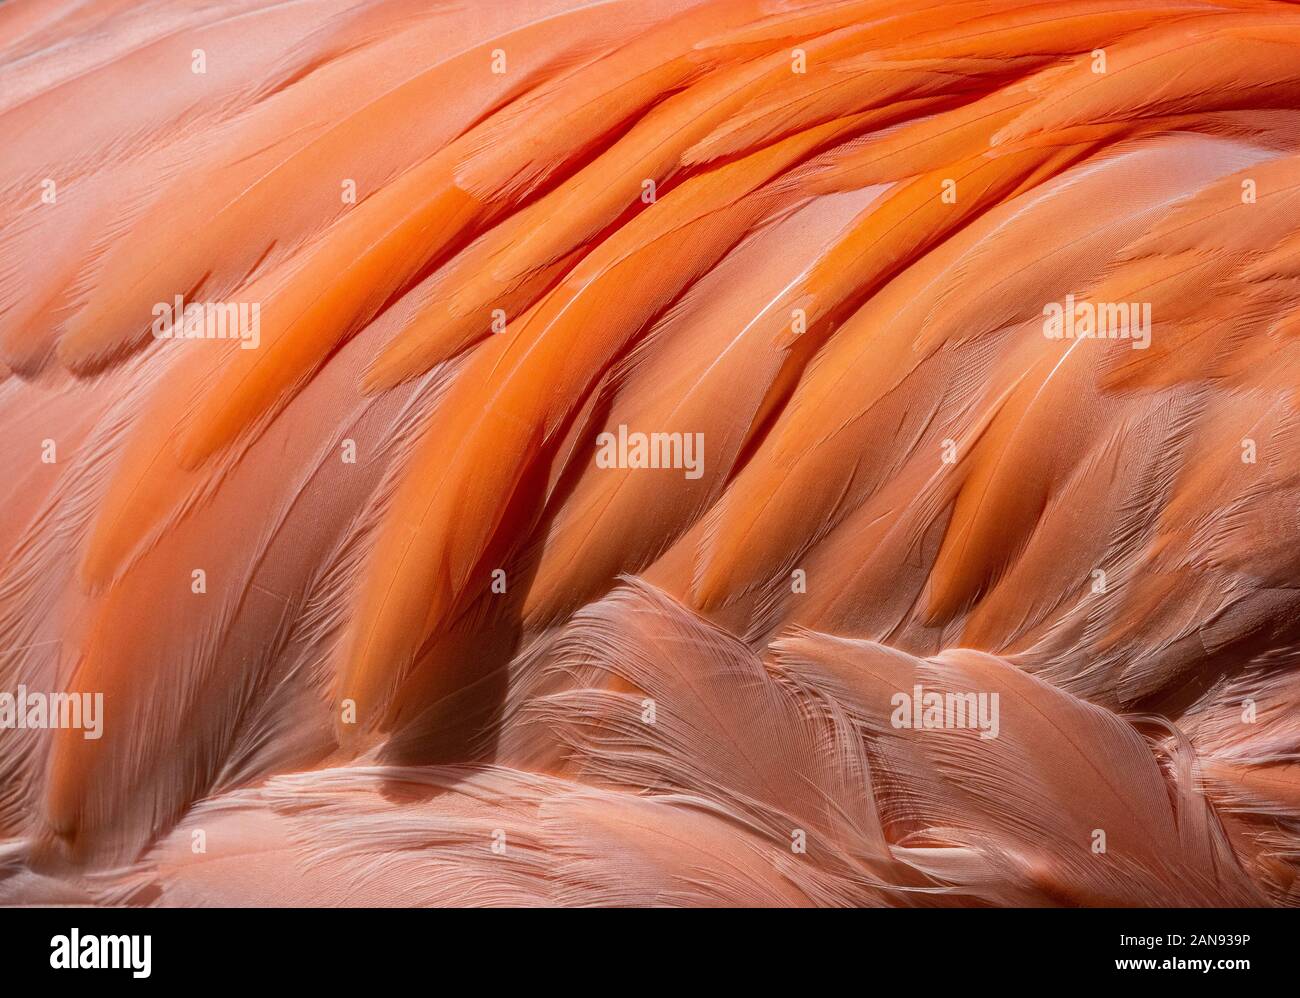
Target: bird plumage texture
[{"x": 383, "y": 607}]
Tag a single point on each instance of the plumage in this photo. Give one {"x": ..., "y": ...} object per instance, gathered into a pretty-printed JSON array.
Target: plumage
[{"x": 714, "y": 452}]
